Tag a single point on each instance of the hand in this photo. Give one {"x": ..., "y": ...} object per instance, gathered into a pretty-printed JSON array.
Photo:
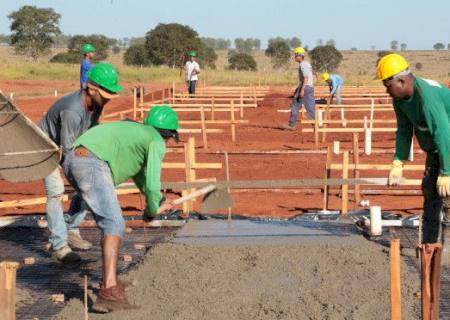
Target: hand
[
  {"x": 396, "y": 173},
  {"x": 443, "y": 186},
  {"x": 166, "y": 206}
]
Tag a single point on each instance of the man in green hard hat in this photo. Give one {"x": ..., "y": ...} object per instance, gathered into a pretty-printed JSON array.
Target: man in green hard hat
[
  {"x": 106, "y": 156},
  {"x": 64, "y": 122},
  {"x": 192, "y": 69},
  {"x": 86, "y": 65}
]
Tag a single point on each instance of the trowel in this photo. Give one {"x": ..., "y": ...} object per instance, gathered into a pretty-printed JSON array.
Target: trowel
[{"x": 214, "y": 199}]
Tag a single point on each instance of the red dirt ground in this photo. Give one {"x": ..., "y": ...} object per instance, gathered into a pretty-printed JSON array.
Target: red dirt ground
[{"x": 261, "y": 133}]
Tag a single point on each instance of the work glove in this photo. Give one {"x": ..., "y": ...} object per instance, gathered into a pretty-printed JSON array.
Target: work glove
[
  {"x": 396, "y": 173},
  {"x": 443, "y": 186}
]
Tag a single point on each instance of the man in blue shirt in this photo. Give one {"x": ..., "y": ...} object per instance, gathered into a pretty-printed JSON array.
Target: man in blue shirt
[
  {"x": 335, "y": 83},
  {"x": 86, "y": 65}
]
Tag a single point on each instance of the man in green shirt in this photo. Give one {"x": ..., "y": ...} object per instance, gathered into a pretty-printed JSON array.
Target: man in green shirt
[
  {"x": 422, "y": 107},
  {"x": 106, "y": 156}
]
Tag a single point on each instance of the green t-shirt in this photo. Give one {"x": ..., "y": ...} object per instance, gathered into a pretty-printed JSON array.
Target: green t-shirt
[
  {"x": 427, "y": 115},
  {"x": 133, "y": 151}
]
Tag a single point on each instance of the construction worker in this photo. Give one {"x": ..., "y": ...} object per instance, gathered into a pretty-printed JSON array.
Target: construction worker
[
  {"x": 86, "y": 65},
  {"x": 335, "y": 83},
  {"x": 304, "y": 93},
  {"x": 64, "y": 122},
  {"x": 106, "y": 156},
  {"x": 422, "y": 107},
  {"x": 192, "y": 69}
]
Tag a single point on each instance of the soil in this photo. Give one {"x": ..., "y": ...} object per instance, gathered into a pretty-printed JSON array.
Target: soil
[
  {"x": 262, "y": 133},
  {"x": 178, "y": 281}
]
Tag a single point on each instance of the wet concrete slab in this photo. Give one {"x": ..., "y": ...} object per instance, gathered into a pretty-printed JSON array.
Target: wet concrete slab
[{"x": 245, "y": 232}]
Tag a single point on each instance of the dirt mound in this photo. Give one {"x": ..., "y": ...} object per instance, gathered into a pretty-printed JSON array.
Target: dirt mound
[{"x": 179, "y": 281}]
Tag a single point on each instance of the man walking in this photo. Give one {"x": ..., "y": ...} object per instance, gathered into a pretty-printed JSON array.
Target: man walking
[
  {"x": 65, "y": 121},
  {"x": 192, "y": 69},
  {"x": 304, "y": 93},
  {"x": 106, "y": 156},
  {"x": 86, "y": 65},
  {"x": 422, "y": 108},
  {"x": 335, "y": 83}
]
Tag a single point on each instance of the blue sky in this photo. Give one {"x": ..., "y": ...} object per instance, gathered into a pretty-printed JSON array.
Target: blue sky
[{"x": 352, "y": 23}]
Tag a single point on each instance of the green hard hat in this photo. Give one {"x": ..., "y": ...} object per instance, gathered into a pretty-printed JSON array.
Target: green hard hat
[
  {"x": 192, "y": 53},
  {"x": 162, "y": 117},
  {"x": 105, "y": 76},
  {"x": 87, "y": 47}
]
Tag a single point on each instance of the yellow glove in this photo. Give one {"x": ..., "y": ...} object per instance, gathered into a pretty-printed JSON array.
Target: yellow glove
[
  {"x": 396, "y": 173},
  {"x": 443, "y": 186}
]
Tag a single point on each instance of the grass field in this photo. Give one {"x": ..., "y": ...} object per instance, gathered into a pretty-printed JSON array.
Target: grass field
[{"x": 357, "y": 68}]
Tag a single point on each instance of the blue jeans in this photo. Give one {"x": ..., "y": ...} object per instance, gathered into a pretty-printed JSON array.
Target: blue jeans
[
  {"x": 337, "y": 95},
  {"x": 308, "y": 100},
  {"x": 57, "y": 222},
  {"x": 92, "y": 179},
  {"x": 191, "y": 86}
]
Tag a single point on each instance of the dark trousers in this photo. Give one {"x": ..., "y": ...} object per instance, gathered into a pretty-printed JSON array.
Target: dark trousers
[{"x": 191, "y": 86}]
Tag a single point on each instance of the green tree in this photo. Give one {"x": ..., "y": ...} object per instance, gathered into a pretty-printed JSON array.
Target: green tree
[
  {"x": 61, "y": 41},
  {"x": 66, "y": 57},
  {"x": 5, "y": 39},
  {"x": 100, "y": 42},
  {"x": 279, "y": 53},
  {"x": 438, "y": 46},
  {"x": 134, "y": 41},
  {"x": 242, "y": 61},
  {"x": 243, "y": 45},
  {"x": 295, "y": 42},
  {"x": 394, "y": 45},
  {"x": 33, "y": 30},
  {"x": 403, "y": 46},
  {"x": 325, "y": 58},
  {"x": 331, "y": 42},
  {"x": 136, "y": 55}
]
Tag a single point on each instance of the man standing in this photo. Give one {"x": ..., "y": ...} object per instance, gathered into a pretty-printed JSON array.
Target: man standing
[
  {"x": 106, "y": 156},
  {"x": 86, "y": 65},
  {"x": 304, "y": 93},
  {"x": 422, "y": 107},
  {"x": 64, "y": 122},
  {"x": 335, "y": 83},
  {"x": 192, "y": 69}
]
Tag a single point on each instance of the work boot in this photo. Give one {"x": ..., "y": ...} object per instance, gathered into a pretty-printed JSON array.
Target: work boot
[
  {"x": 126, "y": 285},
  {"x": 76, "y": 242},
  {"x": 288, "y": 127},
  {"x": 66, "y": 255},
  {"x": 112, "y": 299}
]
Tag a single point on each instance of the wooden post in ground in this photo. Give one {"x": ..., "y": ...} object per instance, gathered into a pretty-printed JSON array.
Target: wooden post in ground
[
  {"x": 212, "y": 107},
  {"x": 173, "y": 91},
  {"x": 396, "y": 298},
  {"x": 327, "y": 176},
  {"x": 233, "y": 124},
  {"x": 134, "y": 103},
  {"x": 141, "y": 101},
  {"x": 202, "y": 117},
  {"x": 189, "y": 149},
  {"x": 227, "y": 173},
  {"x": 316, "y": 128},
  {"x": 357, "y": 194},
  {"x": 242, "y": 105},
  {"x": 344, "y": 186},
  {"x": 8, "y": 272},
  {"x": 326, "y": 116}
]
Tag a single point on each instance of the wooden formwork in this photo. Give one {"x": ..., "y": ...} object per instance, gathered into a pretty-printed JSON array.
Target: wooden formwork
[{"x": 8, "y": 270}]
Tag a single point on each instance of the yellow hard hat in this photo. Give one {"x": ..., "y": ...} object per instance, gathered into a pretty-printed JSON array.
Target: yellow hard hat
[
  {"x": 325, "y": 76},
  {"x": 299, "y": 50},
  {"x": 390, "y": 65}
]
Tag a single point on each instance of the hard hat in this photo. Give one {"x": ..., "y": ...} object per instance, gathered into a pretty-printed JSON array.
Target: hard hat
[
  {"x": 87, "y": 47},
  {"x": 325, "y": 76},
  {"x": 192, "y": 53},
  {"x": 105, "y": 78},
  {"x": 299, "y": 51},
  {"x": 162, "y": 117},
  {"x": 390, "y": 65}
]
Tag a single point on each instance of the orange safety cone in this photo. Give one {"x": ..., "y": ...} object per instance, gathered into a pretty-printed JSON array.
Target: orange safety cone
[{"x": 431, "y": 254}]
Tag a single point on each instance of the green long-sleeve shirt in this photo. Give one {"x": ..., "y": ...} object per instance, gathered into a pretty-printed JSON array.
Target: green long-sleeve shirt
[
  {"x": 132, "y": 151},
  {"x": 427, "y": 115}
]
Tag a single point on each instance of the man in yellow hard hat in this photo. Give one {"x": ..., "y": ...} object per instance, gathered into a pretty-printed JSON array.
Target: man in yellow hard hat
[
  {"x": 304, "y": 93},
  {"x": 335, "y": 82},
  {"x": 422, "y": 107}
]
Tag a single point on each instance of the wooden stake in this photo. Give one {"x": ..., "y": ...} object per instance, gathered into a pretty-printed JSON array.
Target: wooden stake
[
  {"x": 86, "y": 317},
  {"x": 242, "y": 105},
  {"x": 345, "y": 186},
  {"x": 212, "y": 108},
  {"x": 190, "y": 167},
  {"x": 141, "y": 98},
  {"x": 396, "y": 298},
  {"x": 134, "y": 103},
  {"x": 227, "y": 172},
  {"x": 233, "y": 124},
  {"x": 326, "y": 117},
  {"x": 316, "y": 128},
  {"x": 202, "y": 116},
  {"x": 326, "y": 189},
  {"x": 8, "y": 272},
  {"x": 356, "y": 171}
]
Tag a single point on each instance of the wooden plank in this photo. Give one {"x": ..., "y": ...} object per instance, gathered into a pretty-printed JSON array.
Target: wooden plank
[
  {"x": 396, "y": 298},
  {"x": 344, "y": 198},
  {"x": 134, "y": 102},
  {"x": 327, "y": 176},
  {"x": 349, "y": 130},
  {"x": 373, "y": 166},
  {"x": 233, "y": 124},
  {"x": 186, "y": 130},
  {"x": 8, "y": 271},
  {"x": 190, "y": 167},
  {"x": 357, "y": 195},
  {"x": 213, "y": 121},
  {"x": 204, "y": 137},
  {"x": 141, "y": 97}
]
